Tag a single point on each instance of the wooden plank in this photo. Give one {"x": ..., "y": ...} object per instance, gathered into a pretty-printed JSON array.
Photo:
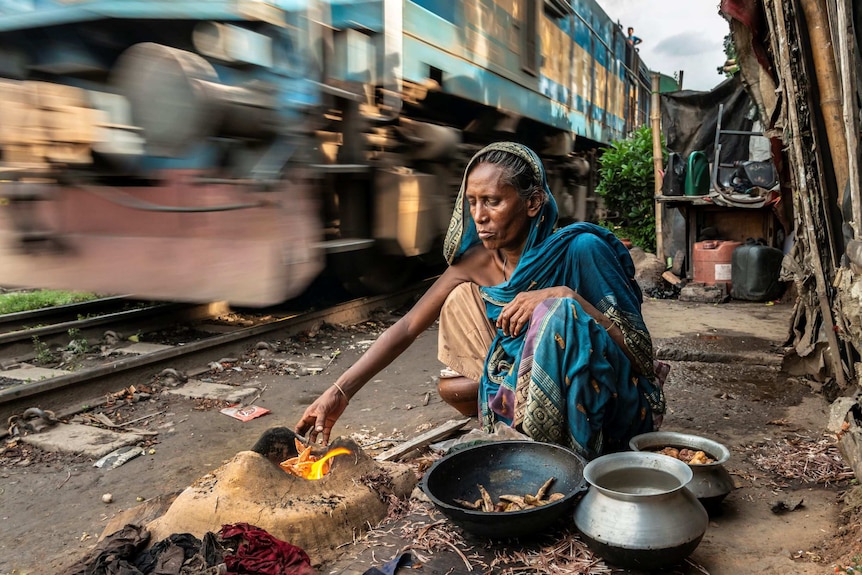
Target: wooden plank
[
  {"x": 430, "y": 436},
  {"x": 847, "y": 58},
  {"x": 671, "y": 278}
]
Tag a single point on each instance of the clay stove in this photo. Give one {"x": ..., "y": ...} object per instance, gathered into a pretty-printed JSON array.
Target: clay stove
[{"x": 316, "y": 515}]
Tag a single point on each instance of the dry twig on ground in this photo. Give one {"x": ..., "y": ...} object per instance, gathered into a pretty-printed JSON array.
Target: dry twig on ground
[{"x": 800, "y": 457}]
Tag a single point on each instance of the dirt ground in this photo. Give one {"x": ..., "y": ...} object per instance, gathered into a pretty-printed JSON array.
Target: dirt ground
[{"x": 729, "y": 388}]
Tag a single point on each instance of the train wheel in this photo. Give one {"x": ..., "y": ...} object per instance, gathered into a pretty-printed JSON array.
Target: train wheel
[{"x": 371, "y": 272}]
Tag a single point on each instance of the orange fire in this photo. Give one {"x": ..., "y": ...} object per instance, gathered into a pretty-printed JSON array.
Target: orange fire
[{"x": 308, "y": 466}]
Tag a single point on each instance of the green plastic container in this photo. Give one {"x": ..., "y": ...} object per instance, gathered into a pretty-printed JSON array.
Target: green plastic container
[{"x": 697, "y": 175}]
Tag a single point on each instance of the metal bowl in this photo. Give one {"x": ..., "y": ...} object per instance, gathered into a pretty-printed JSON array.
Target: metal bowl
[
  {"x": 710, "y": 481},
  {"x": 505, "y": 467}
]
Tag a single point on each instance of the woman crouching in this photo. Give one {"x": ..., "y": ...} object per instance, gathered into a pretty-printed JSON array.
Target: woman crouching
[{"x": 548, "y": 321}]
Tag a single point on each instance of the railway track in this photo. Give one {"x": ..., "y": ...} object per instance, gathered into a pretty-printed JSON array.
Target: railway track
[
  {"x": 195, "y": 344},
  {"x": 53, "y": 327}
]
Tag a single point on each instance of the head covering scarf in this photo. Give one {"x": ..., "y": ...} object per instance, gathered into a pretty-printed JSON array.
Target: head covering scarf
[
  {"x": 462, "y": 235},
  {"x": 593, "y": 262}
]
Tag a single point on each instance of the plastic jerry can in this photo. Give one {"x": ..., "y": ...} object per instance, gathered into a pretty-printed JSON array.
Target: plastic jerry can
[
  {"x": 697, "y": 175},
  {"x": 712, "y": 262},
  {"x": 756, "y": 268}
]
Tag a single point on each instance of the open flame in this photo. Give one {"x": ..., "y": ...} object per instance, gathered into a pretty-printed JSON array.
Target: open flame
[
  {"x": 321, "y": 467},
  {"x": 308, "y": 466}
]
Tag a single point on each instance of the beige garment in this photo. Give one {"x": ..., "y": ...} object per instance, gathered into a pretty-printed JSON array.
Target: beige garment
[{"x": 465, "y": 333}]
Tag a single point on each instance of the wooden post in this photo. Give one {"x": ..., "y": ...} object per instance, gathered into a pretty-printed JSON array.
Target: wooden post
[
  {"x": 848, "y": 55},
  {"x": 657, "y": 162},
  {"x": 828, "y": 88}
]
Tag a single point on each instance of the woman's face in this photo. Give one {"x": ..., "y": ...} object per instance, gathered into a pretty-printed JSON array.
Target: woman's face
[{"x": 502, "y": 217}]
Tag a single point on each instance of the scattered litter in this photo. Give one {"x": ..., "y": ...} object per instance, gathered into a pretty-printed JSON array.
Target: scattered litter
[
  {"x": 129, "y": 394},
  {"x": 62, "y": 483},
  {"x": 245, "y": 413},
  {"x": 107, "y": 498},
  {"x": 171, "y": 376},
  {"x": 112, "y": 338},
  {"x": 33, "y": 420},
  {"x": 335, "y": 354},
  {"x": 118, "y": 457},
  {"x": 101, "y": 418},
  {"x": 257, "y": 396},
  {"x": 781, "y": 507}
]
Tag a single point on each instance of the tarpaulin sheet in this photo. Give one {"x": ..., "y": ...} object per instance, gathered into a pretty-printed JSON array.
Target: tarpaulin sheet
[{"x": 689, "y": 119}]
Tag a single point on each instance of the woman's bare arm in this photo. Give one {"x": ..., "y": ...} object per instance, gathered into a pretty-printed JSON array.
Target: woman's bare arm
[{"x": 320, "y": 416}]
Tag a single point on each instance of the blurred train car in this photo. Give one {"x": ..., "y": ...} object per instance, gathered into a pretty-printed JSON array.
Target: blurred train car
[{"x": 235, "y": 149}]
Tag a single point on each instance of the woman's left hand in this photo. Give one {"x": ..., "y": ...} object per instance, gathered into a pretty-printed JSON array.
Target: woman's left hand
[{"x": 515, "y": 315}]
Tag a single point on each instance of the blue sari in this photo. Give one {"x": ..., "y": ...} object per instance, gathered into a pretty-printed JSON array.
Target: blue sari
[{"x": 564, "y": 380}]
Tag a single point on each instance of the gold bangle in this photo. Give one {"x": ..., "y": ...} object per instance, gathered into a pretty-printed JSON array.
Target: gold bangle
[
  {"x": 338, "y": 387},
  {"x": 610, "y": 326}
]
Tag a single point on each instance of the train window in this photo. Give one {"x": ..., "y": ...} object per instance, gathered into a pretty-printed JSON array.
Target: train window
[
  {"x": 530, "y": 37},
  {"x": 558, "y": 8},
  {"x": 436, "y": 74}
]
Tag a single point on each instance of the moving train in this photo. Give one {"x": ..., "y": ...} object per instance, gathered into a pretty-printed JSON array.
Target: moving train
[{"x": 234, "y": 150}]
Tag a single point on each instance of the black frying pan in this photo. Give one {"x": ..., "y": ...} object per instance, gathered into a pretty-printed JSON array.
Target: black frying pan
[{"x": 504, "y": 467}]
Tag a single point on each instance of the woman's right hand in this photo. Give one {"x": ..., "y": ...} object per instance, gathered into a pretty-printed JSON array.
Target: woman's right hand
[{"x": 320, "y": 416}]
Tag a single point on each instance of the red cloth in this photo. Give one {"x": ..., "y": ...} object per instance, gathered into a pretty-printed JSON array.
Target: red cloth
[
  {"x": 262, "y": 554},
  {"x": 750, "y": 14}
]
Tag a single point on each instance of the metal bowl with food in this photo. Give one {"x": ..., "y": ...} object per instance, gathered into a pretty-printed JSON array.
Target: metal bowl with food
[
  {"x": 710, "y": 480},
  {"x": 527, "y": 486}
]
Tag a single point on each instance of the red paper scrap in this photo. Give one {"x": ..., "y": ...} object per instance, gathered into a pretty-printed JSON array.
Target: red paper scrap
[{"x": 245, "y": 413}]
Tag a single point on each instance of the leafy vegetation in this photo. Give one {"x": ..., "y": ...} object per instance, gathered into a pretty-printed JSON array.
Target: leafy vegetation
[
  {"x": 627, "y": 186},
  {"x": 78, "y": 344},
  {"x": 30, "y": 300},
  {"x": 42, "y": 351},
  {"x": 731, "y": 65}
]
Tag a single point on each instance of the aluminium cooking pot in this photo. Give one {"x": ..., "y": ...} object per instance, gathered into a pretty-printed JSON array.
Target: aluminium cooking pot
[
  {"x": 637, "y": 512},
  {"x": 505, "y": 467}
]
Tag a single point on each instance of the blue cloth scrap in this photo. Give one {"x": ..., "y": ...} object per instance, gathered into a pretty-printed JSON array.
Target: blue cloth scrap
[{"x": 391, "y": 567}]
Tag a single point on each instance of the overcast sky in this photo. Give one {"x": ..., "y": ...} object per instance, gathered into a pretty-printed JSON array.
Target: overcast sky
[{"x": 677, "y": 35}]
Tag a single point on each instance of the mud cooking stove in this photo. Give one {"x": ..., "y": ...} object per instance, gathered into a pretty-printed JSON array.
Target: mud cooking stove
[{"x": 316, "y": 515}]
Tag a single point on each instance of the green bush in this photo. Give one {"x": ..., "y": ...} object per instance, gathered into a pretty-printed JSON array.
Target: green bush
[{"x": 627, "y": 186}]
